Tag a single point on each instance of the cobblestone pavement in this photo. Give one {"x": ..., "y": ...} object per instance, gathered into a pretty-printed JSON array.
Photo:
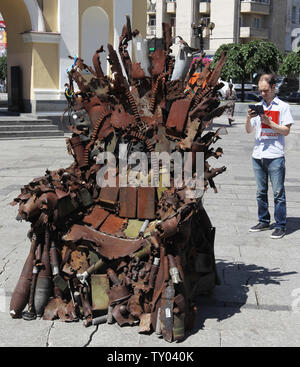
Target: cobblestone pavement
[{"x": 258, "y": 302}]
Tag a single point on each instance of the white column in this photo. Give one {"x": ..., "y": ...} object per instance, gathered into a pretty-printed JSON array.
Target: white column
[
  {"x": 121, "y": 9},
  {"x": 225, "y": 17},
  {"x": 68, "y": 22},
  {"x": 184, "y": 19},
  {"x": 161, "y": 16}
]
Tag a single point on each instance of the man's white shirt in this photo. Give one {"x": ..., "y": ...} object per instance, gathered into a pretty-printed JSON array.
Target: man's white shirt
[{"x": 268, "y": 143}]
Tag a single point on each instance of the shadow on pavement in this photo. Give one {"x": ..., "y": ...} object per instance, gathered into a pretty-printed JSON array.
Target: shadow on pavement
[
  {"x": 292, "y": 225},
  {"x": 226, "y": 300},
  {"x": 226, "y": 124}
]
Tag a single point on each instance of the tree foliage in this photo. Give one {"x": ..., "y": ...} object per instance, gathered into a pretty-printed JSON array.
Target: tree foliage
[
  {"x": 234, "y": 67},
  {"x": 3, "y": 67},
  {"x": 291, "y": 64},
  {"x": 243, "y": 60}
]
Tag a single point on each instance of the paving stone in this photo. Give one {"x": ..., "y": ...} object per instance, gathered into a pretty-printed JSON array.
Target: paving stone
[
  {"x": 259, "y": 337},
  {"x": 21, "y": 333},
  {"x": 236, "y": 319},
  {"x": 257, "y": 301},
  {"x": 70, "y": 334},
  {"x": 115, "y": 336}
]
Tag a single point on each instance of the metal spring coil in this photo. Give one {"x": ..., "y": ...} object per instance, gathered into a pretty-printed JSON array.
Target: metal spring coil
[
  {"x": 170, "y": 66},
  {"x": 156, "y": 84},
  {"x": 142, "y": 125},
  {"x": 101, "y": 118},
  {"x": 199, "y": 96},
  {"x": 154, "y": 92},
  {"x": 133, "y": 105},
  {"x": 151, "y": 149}
]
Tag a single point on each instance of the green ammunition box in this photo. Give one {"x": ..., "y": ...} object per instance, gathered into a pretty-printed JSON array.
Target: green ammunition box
[
  {"x": 133, "y": 228},
  {"x": 178, "y": 327},
  {"x": 60, "y": 283},
  {"x": 99, "y": 285},
  {"x": 66, "y": 206},
  {"x": 85, "y": 198}
]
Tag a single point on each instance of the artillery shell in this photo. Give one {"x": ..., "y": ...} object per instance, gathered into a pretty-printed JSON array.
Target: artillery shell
[
  {"x": 21, "y": 292},
  {"x": 42, "y": 294}
]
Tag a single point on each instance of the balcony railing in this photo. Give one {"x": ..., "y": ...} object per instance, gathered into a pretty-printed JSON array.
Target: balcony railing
[
  {"x": 204, "y": 7},
  {"x": 255, "y": 33},
  {"x": 171, "y": 7},
  {"x": 151, "y": 30},
  {"x": 255, "y": 7}
]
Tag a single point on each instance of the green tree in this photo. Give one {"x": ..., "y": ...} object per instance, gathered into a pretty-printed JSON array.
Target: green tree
[
  {"x": 290, "y": 66},
  {"x": 3, "y": 67},
  {"x": 243, "y": 60}
]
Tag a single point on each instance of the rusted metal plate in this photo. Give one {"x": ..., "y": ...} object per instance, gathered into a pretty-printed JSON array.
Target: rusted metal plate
[
  {"x": 108, "y": 246},
  {"x": 178, "y": 117},
  {"x": 96, "y": 217},
  {"x": 78, "y": 261},
  {"x": 158, "y": 62},
  {"x": 137, "y": 71},
  {"x": 112, "y": 225},
  {"x": 146, "y": 203},
  {"x": 128, "y": 199},
  {"x": 145, "y": 323},
  {"x": 120, "y": 119},
  {"x": 109, "y": 197}
]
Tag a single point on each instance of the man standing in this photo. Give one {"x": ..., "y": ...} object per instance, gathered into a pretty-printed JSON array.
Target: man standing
[
  {"x": 230, "y": 95},
  {"x": 268, "y": 154}
]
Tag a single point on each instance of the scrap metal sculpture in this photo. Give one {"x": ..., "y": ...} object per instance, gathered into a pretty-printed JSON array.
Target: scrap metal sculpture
[{"x": 124, "y": 254}]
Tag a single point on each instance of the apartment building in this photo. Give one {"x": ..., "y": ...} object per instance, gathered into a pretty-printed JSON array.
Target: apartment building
[
  {"x": 293, "y": 25},
  {"x": 235, "y": 21}
]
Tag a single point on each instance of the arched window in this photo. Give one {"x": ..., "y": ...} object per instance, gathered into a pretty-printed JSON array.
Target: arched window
[{"x": 94, "y": 33}]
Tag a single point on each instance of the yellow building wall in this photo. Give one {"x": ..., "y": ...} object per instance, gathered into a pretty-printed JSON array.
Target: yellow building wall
[
  {"x": 139, "y": 16},
  {"x": 17, "y": 21},
  {"x": 50, "y": 15},
  {"x": 107, "y": 6},
  {"x": 39, "y": 62},
  {"x": 45, "y": 66}
]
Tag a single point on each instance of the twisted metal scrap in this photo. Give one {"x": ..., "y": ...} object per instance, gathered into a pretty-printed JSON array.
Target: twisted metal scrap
[{"x": 113, "y": 254}]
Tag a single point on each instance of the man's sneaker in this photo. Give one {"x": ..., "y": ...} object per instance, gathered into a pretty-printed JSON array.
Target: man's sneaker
[
  {"x": 278, "y": 233},
  {"x": 260, "y": 227}
]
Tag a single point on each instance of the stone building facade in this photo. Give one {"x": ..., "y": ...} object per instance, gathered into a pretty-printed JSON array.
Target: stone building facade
[
  {"x": 41, "y": 34},
  {"x": 235, "y": 21}
]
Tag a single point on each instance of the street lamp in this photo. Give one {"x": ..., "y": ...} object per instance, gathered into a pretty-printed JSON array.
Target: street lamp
[{"x": 198, "y": 30}]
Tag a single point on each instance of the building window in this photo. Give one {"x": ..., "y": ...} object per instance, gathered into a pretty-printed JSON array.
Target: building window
[
  {"x": 294, "y": 14},
  {"x": 152, "y": 20},
  {"x": 256, "y": 23},
  {"x": 173, "y": 21},
  {"x": 257, "y": 1}
]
